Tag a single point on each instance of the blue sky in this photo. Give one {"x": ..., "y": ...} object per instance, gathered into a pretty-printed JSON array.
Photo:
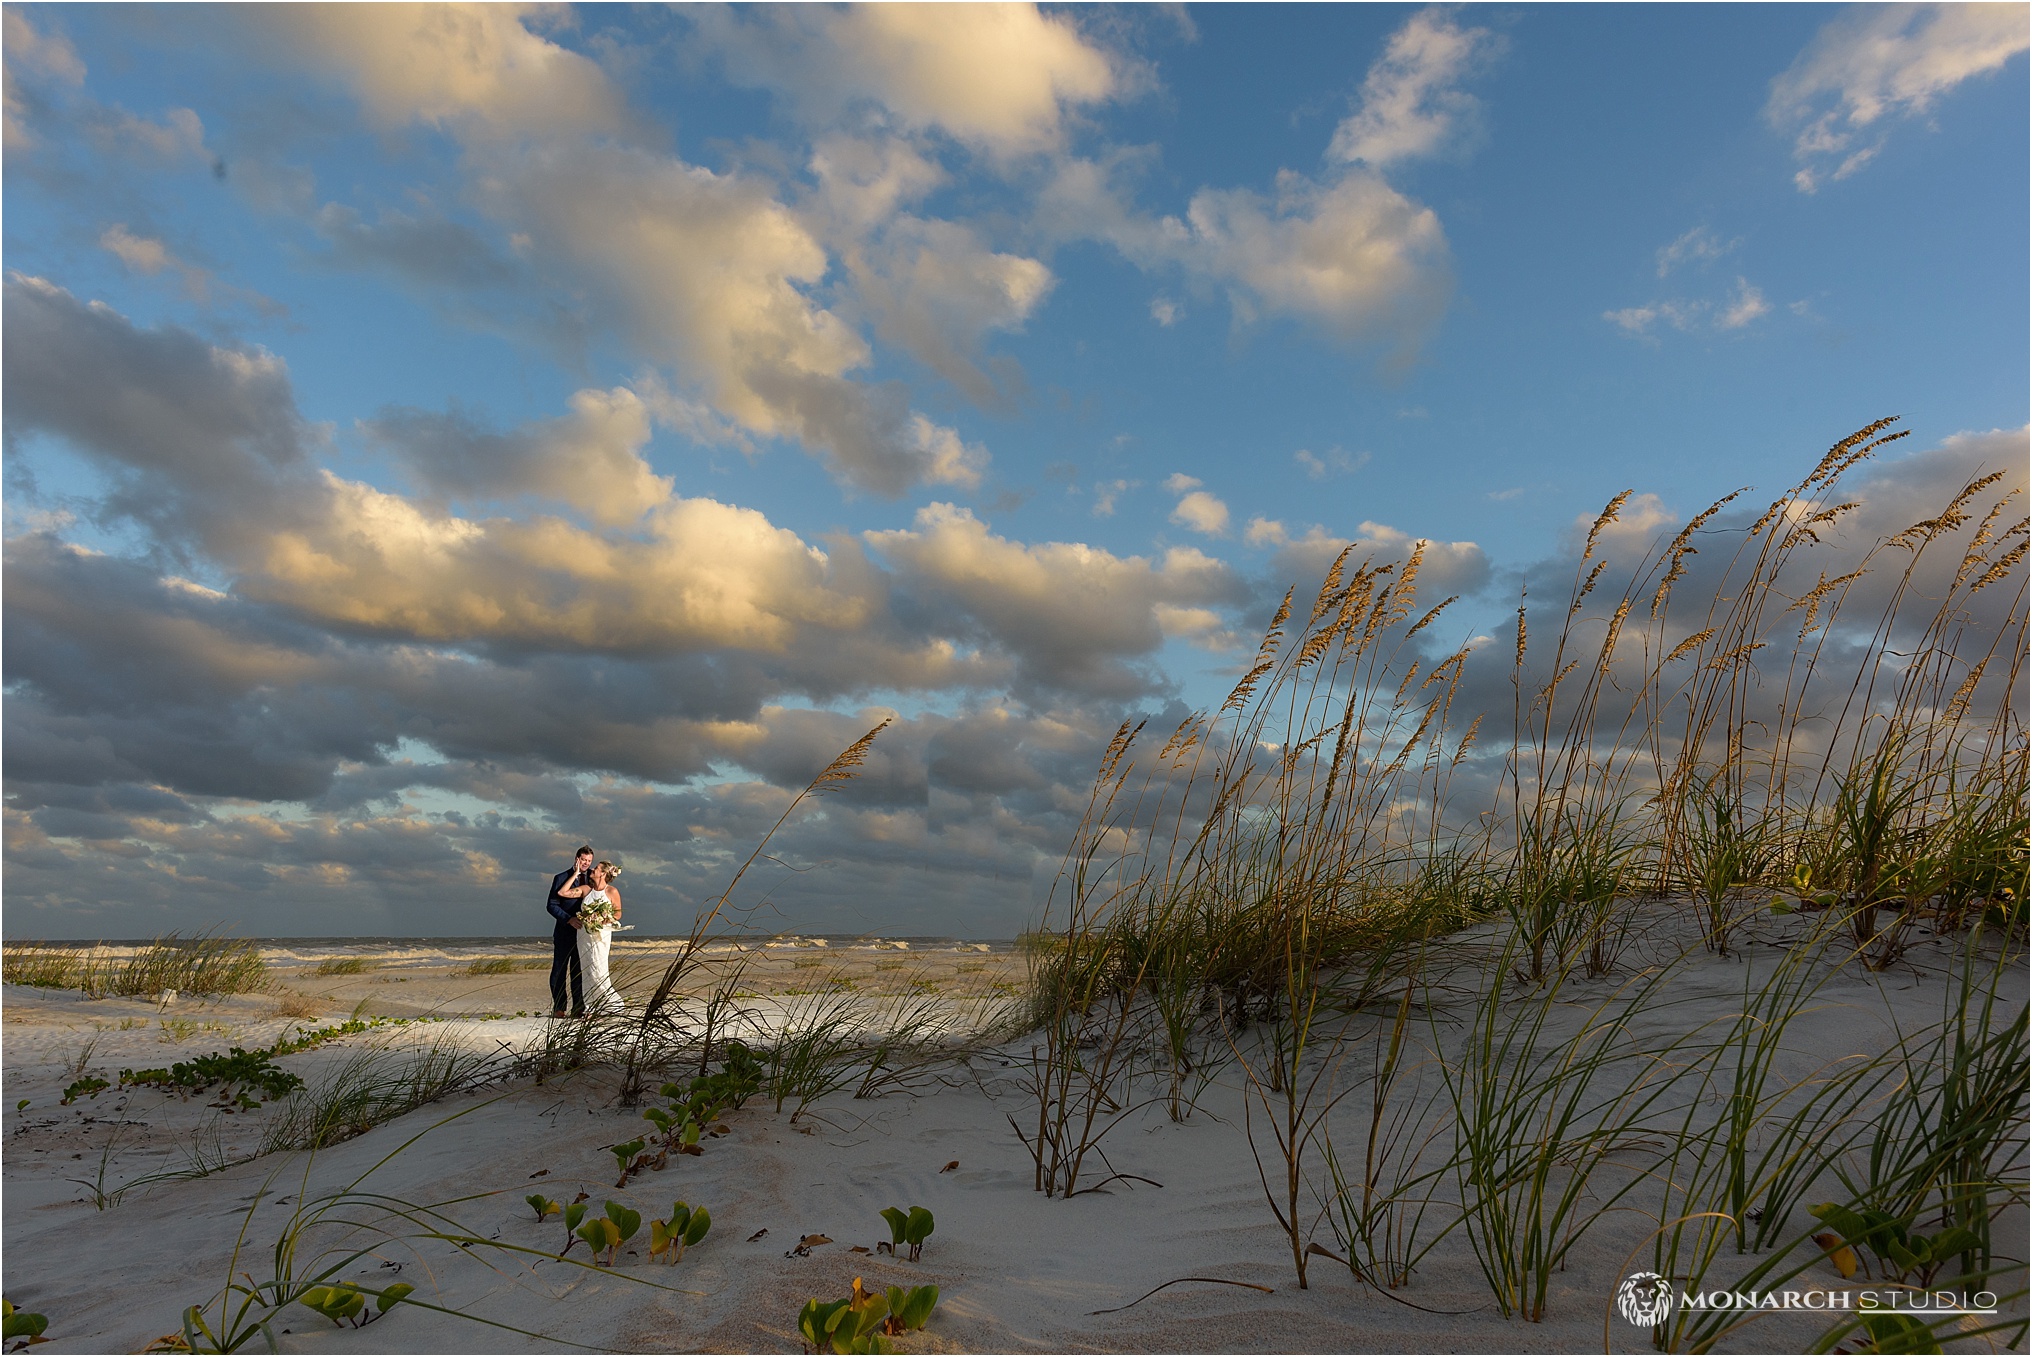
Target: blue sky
[{"x": 436, "y": 436}]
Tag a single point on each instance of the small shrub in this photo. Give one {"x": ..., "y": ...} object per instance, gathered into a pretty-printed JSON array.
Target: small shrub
[
  {"x": 350, "y": 965},
  {"x": 499, "y": 965},
  {"x": 290, "y": 1004}
]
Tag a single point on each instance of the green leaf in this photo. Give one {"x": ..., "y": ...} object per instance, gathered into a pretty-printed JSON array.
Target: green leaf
[
  {"x": 695, "y": 1229},
  {"x": 680, "y": 1216},
  {"x": 625, "y": 1220},
  {"x": 1900, "y": 1333},
  {"x": 917, "y": 1307},
  {"x": 392, "y": 1296},
  {"x": 918, "y": 1228},
  {"x": 814, "y": 1322},
  {"x": 573, "y": 1214},
  {"x": 897, "y": 1220},
  {"x": 542, "y": 1205},
  {"x": 600, "y": 1233},
  {"x": 22, "y": 1324},
  {"x": 335, "y": 1303},
  {"x": 1948, "y": 1243}
]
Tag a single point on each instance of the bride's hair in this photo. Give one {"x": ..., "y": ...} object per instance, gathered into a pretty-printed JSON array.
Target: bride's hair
[{"x": 609, "y": 868}]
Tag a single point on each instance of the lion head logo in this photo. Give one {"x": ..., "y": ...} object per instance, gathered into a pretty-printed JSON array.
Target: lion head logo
[{"x": 1644, "y": 1298}]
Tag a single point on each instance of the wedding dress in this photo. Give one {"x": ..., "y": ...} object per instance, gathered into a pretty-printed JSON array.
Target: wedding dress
[{"x": 594, "y": 945}]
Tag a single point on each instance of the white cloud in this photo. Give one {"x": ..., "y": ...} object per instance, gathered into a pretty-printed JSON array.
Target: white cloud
[
  {"x": 1203, "y": 513},
  {"x": 139, "y": 253},
  {"x": 1178, "y": 482},
  {"x": 1265, "y": 532},
  {"x": 179, "y": 136},
  {"x": 1447, "y": 567},
  {"x": 1072, "y": 613},
  {"x": 1745, "y": 306},
  {"x": 947, "y": 459},
  {"x": 1345, "y": 250},
  {"x": 1336, "y": 462},
  {"x": 997, "y": 77},
  {"x": 864, "y": 181},
  {"x": 476, "y": 67},
  {"x": 707, "y": 275},
  {"x": 150, "y": 257},
  {"x": 1165, "y": 311},
  {"x": 1733, "y": 312},
  {"x": 1408, "y": 104},
  {"x": 936, "y": 290},
  {"x": 24, "y": 51},
  {"x": 1699, "y": 245},
  {"x": 1877, "y": 61},
  {"x": 1354, "y": 256},
  {"x": 590, "y": 459},
  {"x": 1106, "y": 493}
]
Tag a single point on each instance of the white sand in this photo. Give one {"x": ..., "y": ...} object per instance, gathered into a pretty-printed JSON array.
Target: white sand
[{"x": 1017, "y": 1272}]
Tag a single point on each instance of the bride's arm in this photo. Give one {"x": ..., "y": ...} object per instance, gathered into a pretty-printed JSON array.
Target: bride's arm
[{"x": 614, "y": 894}]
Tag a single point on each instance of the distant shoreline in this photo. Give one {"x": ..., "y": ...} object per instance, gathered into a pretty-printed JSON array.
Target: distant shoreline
[{"x": 542, "y": 938}]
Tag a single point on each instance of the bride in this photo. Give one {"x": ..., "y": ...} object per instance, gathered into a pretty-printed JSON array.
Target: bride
[{"x": 600, "y": 907}]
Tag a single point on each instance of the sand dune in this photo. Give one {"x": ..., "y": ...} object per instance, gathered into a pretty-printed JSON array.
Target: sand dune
[{"x": 1017, "y": 1272}]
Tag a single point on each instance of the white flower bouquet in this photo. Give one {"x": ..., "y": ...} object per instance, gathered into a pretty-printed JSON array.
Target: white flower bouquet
[{"x": 597, "y": 911}]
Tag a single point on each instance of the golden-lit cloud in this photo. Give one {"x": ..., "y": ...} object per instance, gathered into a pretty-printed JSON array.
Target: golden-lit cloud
[
  {"x": 477, "y": 67},
  {"x": 997, "y": 77}
]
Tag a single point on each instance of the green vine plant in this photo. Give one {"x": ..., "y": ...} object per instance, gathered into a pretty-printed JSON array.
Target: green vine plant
[
  {"x": 865, "y": 1320},
  {"x": 611, "y": 1230},
  {"x": 244, "y": 1312},
  {"x": 22, "y": 1325},
  {"x": 625, "y": 1155},
  {"x": 912, "y": 1228},
  {"x": 347, "y": 1303},
  {"x": 668, "y": 1239}
]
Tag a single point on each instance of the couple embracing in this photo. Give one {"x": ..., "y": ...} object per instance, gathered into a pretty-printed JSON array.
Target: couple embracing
[{"x": 587, "y": 907}]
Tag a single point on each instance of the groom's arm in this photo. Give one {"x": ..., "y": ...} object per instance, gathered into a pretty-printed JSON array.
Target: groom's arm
[{"x": 561, "y": 909}]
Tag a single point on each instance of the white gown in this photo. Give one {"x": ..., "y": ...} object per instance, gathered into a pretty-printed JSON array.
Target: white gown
[{"x": 594, "y": 944}]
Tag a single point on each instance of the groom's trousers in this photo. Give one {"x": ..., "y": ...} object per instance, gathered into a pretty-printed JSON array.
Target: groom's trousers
[{"x": 564, "y": 960}]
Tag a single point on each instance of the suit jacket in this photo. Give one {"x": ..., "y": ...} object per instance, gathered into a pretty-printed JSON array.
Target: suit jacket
[{"x": 562, "y": 908}]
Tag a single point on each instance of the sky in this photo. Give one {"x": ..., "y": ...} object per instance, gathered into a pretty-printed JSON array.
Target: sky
[{"x": 437, "y": 436}]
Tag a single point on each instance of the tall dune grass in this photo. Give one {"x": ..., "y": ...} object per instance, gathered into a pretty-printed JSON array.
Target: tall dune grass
[
  {"x": 1840, "y": 739},
  {"x": 206, "y": 963}
]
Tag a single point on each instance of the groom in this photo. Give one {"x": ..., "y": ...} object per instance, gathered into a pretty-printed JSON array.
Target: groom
[{"x": 565, "y": 889}]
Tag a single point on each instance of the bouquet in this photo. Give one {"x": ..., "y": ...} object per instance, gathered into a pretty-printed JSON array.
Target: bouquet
[{"x": 597, "y": 911}]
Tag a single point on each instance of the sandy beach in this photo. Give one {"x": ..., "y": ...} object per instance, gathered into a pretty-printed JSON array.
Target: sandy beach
[{"x": 1017, "y": 1272}]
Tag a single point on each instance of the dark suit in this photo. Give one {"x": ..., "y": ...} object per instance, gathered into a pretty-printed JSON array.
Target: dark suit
[{"x": 564, "y": 944}]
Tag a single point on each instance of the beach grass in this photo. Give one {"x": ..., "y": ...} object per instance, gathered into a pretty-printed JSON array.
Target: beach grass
[
  {"x": 502, "y": 965},
  {"x": 1258, "y": 886},
  {"x": 205, "y": 963}
]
